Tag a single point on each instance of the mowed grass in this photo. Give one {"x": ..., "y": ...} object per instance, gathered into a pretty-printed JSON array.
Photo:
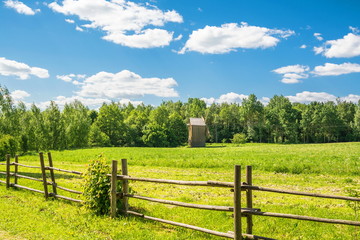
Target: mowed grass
[{"x": 318, "y": 168}]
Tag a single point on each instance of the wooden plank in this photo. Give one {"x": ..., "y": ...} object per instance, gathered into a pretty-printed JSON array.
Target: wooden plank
[
  {"x": 64, "y": 170},
  {"x": 113, "y": 191},
  {"x": 249, "y": 200},
  {"x": 237, "y": 203},
  {"x": 216, "y": 233},
  {"x": 43, "y": 173},
  {"x": 257, "y": 188},
  {"x": 23, "y": 165},
  {"x": 26, "y": 177},
  {"x": 125, "y": 186},
  {"x": 27, "y": 188},
  {"x": 68, "y": 190},
  {"x": 305, "y": 218},
  {"x": 7, "y": 170},
  {"x": 52, "y": 175},
  {"x": 2, "y": 181},
  {"x": 182, "y": 204},
  {"x": 178, "y": 182},
  {"x": 67, "y": 198},
  {"x": 16, "y": 169}
]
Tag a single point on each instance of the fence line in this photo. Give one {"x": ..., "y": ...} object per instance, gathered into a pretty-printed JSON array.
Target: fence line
[
  {"x": 237, "y": 188},
  {"x": 43, "y": 179}
]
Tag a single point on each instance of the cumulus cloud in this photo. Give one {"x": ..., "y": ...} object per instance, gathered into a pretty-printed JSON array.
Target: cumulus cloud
[
  {"x": 331, "y": 69},
  {"x": 303, "y": 46},
  {"x": 72, "y": 78},
  {"x": 21, "y": 70},
  {"x": 92, "y": 103},
  {"x": 232, "y": 98},
  {"x": 126, "y": 84},
  {"x": 232, "y": 36},
  {"x": 19, "y": 95},
  {"x": 62, "y": 100},
  {"x": 226, "y": 98},
  {"x": 124, "y": 22},
  {"x": 293, "y": 73},
  {"x": 69, "y": 20},
  {"x": 77, "y": 28},
  {"x": 318, "y": 36},
  {"x": 20, "y": 7},
  {"x": 307, "y": 97},
  {"x": 346, "y": 47}
]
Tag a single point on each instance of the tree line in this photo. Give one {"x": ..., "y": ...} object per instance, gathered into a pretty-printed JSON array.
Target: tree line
[{"x": 114, "y": 124}]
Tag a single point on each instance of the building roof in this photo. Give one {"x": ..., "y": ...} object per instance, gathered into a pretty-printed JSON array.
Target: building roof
[{"x": 197, "y": 122}]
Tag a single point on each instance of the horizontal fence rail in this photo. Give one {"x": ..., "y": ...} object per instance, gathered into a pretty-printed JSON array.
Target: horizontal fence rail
[
  {"x": 43, "y": 179},
  {"x": 299, "y": 193}
]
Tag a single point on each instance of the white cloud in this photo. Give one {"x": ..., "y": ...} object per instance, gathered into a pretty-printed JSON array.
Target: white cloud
[
  {"x": 79, "y": 29},
  {"x": 293, "y": 73},
  {"x": 69, "y": 20},
  {"x": 231, "y": 36},
  {"x": 318, "y": 36},
  {"x": 351, "y": 98},
  {"x": 19, "y": 95},
  {"x": 124, "y": 22},
  {"x": 307, "y": 97},
  {"x": 331, "y": 69},
  {"x": 61, "y": 101},
  {"x": 226, "y": 98},
  {"x": 21, "y": 70},
  {"x": 346, "y": 47},
  {"x": 20, "y": 7},
  {"x": 126, "y": 84},
  {"x": 72, "y": 78},
  {"x": 303, "y": 46},
  {"x": 92, "y": 103}
]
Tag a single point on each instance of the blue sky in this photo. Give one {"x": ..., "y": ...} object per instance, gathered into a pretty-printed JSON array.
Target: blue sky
[{"x": 158, "y": 50}]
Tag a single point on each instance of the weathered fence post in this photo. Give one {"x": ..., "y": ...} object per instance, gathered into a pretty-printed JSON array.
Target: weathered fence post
[
  {"x": 52, "y": 175},
  {"x": 113, "y": 200},
  {"x": 125, "y": 186},
  {"x": 16, "y": 169},
  {"x": 237, "y": 203},
  {"x": 249, "y": 199},
  {"x": 7, "y": 170},
  {"x": 43, "y": 173}
]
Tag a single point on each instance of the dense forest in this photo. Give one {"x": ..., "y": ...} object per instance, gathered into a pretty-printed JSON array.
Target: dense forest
[{"x": 76, "y": 126}]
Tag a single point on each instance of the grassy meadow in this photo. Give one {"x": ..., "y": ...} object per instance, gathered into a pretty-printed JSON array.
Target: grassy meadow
[{"x": 319, "y": 168}]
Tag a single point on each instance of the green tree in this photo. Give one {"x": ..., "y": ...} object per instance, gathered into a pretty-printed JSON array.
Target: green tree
[
  {"x": 77, "y": 124},
  {"x": 111, "y": 122},
  {"x": 282, "y": 119},
  {"x": 253, "y": 117},
  {"x": 54, "y": 127}
]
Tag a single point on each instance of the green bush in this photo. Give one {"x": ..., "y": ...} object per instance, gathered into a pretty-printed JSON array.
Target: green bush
[
  {"x": 97, "y": 187},
  {"x": 239, "y": 138},
  {"x": 8, "y": 145}
]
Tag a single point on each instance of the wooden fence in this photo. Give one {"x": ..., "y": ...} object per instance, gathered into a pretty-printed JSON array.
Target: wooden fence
[
  {"x": 43, "y": 179},
  {"x": 239, "y": 213},
  {"x": 236, "y": 187}
]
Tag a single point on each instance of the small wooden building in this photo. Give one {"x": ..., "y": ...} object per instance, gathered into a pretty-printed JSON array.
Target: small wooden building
[{"x": 197, "y": 132}]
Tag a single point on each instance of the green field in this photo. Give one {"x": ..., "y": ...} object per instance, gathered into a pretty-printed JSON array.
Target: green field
[{"x": 318, "y": 168}]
